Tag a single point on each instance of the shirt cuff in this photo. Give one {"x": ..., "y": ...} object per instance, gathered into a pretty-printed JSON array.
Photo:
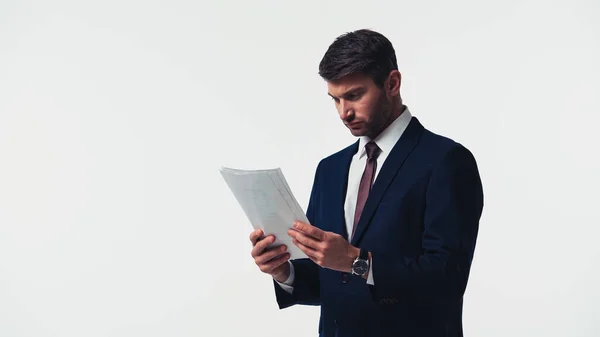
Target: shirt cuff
[
  {"x": 287, "y": 285},
  {"x": 370, "y": 276}
]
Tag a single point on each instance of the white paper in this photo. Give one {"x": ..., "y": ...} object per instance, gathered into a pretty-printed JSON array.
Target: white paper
[{"x": 268, "y": 202}]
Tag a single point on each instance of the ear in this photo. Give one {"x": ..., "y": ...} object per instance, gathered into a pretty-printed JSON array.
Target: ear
[{"x": 392, "y": 85}]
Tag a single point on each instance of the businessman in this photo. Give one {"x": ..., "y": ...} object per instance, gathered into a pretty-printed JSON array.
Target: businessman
[{"x": 393, "y": 217}]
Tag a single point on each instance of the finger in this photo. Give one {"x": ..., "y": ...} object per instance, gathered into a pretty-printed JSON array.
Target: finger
[
  {"x": 310, "y": 230},
  {"x": 310, "y": 252},
  {"x": 261, "y": 245},
  {"x": 305, "y": 239},
  {"x": 269, "y": 267},
  {"x": 270, "y": 254},
  {"x": 255, "y": 236}
]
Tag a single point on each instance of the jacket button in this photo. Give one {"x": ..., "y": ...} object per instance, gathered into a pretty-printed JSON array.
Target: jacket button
[{"x": 344, "y": 278}]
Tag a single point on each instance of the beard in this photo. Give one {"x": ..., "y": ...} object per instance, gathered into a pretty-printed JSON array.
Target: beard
[{"x": 382, "y": 117}]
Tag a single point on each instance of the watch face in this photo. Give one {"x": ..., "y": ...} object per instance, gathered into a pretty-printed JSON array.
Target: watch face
[{"x": 360, "y": 267}]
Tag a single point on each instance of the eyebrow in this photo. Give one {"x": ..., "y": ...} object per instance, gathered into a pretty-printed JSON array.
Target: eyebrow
[{"x": 348, "y": 92}]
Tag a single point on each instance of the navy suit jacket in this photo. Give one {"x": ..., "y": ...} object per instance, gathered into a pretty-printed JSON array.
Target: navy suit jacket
[{"x": 420, "y": 223}]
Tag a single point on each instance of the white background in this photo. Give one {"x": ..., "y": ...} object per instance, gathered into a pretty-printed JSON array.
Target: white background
[{"x": 115, "y": 117}]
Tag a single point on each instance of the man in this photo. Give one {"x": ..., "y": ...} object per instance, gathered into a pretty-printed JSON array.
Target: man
[{"x": 394, "y": 216}]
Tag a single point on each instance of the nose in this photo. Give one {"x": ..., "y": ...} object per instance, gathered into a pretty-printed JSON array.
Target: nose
[{"x": 345, "y": 110}]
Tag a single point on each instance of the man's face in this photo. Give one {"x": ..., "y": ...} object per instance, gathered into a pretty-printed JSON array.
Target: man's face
[{"x": 362, "y": 106}]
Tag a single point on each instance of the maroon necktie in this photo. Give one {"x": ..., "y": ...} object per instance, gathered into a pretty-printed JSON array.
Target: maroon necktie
[{"x": 366, "y": 181}]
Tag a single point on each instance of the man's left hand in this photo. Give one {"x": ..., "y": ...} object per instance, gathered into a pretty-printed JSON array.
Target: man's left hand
[{"x": 327, "y": 249}]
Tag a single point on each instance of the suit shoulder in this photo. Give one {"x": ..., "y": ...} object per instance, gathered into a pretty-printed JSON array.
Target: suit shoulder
[
  {"x": 442, "y": 142},
  {"x": 339, "y": 155},
  {"x": 434, "y": 140},
  {"x": 441, "y": 147}
]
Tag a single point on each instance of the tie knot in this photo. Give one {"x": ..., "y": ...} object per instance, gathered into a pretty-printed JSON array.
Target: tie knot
[{"x": 372, "y": 150}]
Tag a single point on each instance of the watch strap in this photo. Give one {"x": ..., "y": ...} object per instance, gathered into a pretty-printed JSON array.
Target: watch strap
[{"x": 364, "y": 254}]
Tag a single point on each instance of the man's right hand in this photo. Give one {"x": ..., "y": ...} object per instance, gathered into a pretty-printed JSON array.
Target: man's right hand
[{"x": 270, "y": 261}]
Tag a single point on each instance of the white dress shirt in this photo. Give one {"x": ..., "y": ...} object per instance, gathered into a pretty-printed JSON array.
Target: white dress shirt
[{"x": 385, "y": 141}]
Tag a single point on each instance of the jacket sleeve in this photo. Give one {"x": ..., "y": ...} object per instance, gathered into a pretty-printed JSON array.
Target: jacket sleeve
[
  {"x": 453, "y": 207},
  {"x": 306, "y": 281}
]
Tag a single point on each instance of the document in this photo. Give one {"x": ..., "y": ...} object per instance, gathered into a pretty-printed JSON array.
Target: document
[{"x": 268, "y": 202}]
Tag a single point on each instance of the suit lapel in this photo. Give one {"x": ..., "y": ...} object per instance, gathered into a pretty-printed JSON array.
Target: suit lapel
[
  {"x": 394, "y": 161},
  {"x": 341, "y": 187}
]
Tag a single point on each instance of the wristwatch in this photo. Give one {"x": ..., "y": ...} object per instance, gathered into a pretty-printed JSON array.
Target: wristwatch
[{"x": 360, "y": 266}]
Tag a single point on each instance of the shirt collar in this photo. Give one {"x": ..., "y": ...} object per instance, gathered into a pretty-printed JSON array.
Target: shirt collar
[{"x": 388, "y": 137}]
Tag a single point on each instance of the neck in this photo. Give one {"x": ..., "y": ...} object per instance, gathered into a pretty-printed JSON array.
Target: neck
[{"x": 399, "y": 110}]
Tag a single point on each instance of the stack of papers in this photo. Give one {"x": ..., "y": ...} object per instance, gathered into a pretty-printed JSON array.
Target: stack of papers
[{"x": 268, "y": 202}]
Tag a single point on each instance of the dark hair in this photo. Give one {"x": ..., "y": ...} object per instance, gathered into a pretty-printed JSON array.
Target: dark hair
[{"x": 363, "y": 51}]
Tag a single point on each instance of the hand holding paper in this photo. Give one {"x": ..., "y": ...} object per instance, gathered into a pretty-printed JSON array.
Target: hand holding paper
[
  {"x": 273, "y": 262},
  {"x": 268, "y": 202}
]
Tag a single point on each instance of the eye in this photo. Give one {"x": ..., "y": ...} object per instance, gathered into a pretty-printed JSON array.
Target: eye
[{"x": 353, "y": 96}]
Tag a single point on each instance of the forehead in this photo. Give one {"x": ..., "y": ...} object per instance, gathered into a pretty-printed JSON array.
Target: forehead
[{"x": 349, "y": 82}]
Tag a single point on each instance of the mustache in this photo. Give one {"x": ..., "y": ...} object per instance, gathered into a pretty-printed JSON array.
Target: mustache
[{"x": 349, "y": 119}]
